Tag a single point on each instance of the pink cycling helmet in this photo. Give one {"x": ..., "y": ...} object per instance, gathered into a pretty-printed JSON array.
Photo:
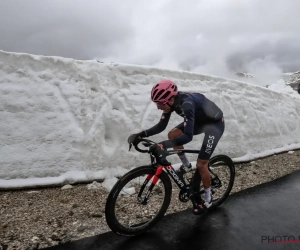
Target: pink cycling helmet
[{"x": 163, "y": 91}]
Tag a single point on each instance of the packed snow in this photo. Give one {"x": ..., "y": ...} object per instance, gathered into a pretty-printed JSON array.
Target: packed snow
[{"x": 66, "y": 121}]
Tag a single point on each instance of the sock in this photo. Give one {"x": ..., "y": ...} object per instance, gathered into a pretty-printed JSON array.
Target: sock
[
  {"x": 184, "y": 160},
  {"x": 207, "y": 194}
]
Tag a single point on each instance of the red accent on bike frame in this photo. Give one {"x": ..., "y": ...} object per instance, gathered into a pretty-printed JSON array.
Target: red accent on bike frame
[
  {"x": 157, "y": 173},
  {"x": 149, "y": 177}
]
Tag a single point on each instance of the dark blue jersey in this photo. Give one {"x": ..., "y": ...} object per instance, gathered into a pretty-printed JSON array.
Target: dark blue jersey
[{"x": 196, "y": 111}]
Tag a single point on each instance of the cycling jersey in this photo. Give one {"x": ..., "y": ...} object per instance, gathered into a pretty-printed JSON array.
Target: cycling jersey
[{"x": 196, "y": 110}]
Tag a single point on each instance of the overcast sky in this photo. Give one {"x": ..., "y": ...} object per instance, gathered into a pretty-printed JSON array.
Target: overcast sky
[{"x": 206, "y": 36}]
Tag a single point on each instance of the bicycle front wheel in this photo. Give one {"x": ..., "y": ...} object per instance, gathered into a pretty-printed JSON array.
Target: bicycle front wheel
[{"x": 126, "y": 211}]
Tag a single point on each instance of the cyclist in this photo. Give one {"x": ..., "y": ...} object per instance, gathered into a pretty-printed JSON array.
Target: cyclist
[{"x": 200, "y": 115}]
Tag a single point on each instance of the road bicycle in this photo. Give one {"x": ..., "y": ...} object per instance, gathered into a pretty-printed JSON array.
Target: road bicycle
[{"x": 140, "y": 198}]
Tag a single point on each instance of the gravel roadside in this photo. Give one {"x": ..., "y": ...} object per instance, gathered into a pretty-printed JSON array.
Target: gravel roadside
[{"x": 38, "y": 218}]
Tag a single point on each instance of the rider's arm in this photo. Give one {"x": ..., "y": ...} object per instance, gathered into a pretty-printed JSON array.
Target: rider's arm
[
  {"x": 160, "y": 126},
  {"x": 189, "y": 120}
]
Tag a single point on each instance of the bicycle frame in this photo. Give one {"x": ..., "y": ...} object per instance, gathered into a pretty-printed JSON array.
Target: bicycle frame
[
  {"x": 171, "y": 172},
  {"x": 188, "y": 190}
]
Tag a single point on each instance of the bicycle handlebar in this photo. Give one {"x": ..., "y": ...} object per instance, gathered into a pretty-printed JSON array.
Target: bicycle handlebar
[{"x": 148, "y": 143}]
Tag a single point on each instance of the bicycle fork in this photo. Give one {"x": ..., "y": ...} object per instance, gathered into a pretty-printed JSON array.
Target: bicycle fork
[{"x": 154, "y": 181}]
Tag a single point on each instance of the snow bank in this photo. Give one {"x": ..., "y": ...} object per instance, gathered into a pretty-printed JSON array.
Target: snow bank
[{"x": 59, "y": 115}]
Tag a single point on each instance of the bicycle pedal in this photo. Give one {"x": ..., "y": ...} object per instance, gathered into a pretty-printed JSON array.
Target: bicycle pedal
[
  {"x": 216, "y": 183},
  {"x": 183, "y": 197}
]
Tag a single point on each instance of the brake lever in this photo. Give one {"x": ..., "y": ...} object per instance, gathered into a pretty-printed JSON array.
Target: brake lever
[{"x": 130, "y": 146}]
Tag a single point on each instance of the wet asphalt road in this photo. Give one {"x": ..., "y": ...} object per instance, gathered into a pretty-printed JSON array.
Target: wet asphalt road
[{"x": 257, "y": 218}]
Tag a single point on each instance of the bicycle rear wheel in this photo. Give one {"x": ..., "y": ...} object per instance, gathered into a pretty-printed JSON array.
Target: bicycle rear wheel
[
  {"x": 222, "y": 172},
  {"x": 126, "y": 213}
]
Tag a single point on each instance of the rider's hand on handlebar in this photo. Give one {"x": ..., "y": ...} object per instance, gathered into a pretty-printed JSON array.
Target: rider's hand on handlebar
[
  {"x": 160, "y": 154},
  {"x": 132, "y": 138}
]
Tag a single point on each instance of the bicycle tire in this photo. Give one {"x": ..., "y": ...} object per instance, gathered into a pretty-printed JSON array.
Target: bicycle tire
[{"x": 110, "y": 215}]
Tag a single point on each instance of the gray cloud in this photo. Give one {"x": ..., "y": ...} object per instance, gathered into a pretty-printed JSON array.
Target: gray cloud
[
  {"x": 207, "y": 36},
  {"x": 64, "y": 28},
  {"x": 285, "y": 52}
]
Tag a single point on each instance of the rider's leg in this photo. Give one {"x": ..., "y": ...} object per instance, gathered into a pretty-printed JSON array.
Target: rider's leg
[
  {"x": 202, "y": 166},
  {"x": 213, "y": 132},
  {"x": 174, "y": 133}
]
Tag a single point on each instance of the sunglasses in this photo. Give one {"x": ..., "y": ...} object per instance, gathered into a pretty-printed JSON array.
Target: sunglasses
[{"x": 160, "y": 103}]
